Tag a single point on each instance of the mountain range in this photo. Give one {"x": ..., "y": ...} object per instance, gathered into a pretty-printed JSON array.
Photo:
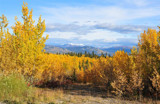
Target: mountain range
[
  {"x": 66, "y": 48},
  {"x": 112, "y": 50}
]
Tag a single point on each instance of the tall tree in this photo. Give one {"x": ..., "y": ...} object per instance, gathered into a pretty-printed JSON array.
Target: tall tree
[{"x": 25, "y": 44}]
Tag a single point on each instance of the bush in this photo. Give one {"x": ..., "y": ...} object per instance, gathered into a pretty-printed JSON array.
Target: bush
[{"x": 14, "y": 87}]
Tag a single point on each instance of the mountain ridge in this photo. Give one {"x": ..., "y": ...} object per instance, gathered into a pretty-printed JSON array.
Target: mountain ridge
[{"x": 66, "y": 48}]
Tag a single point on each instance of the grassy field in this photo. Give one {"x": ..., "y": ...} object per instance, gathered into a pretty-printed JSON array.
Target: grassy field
[
  {"x": 78, "y": 94},
  {"x": 88, "y": 94},
  {"x": 15, "y": 90}
]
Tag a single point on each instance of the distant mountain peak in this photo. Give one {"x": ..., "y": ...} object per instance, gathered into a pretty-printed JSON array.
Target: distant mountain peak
[{"x": 73, "y": 44}]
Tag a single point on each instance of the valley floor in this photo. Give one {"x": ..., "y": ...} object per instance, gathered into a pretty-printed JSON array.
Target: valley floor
[
  {"x": 87, "y": 94},
  {"x": 80, "y": 94}
]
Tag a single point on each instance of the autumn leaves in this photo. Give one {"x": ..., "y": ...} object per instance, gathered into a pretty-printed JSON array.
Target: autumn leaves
[{"x": 23, "y": 51}]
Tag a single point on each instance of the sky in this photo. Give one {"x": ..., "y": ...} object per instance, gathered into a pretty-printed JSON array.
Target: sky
[{"x": 98, "y": 23}]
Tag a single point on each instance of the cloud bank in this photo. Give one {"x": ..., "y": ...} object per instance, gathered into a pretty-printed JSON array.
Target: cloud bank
[{"x": 118, "y": 23}]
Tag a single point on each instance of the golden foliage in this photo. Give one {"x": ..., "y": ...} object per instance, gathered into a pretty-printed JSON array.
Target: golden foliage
[
  {"x": 20, "y": 50},
  {"x": 23, "y": 52}
]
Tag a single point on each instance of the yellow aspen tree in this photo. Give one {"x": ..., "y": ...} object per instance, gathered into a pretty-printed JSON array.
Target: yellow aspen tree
[
  {"x": 121, "y": 64},
  {"x": 29, "y": 41},
  {"x": 7, "y": 57},
  {"x": 148, "y": 50},
  {"x": 121, "y": 61},
  {"x": 136, "y": 81},
  {"x": 148, "y": 56},
  {"x": 120, "y": 83}
]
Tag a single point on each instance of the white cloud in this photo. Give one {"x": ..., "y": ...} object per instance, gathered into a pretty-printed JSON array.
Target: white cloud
[
  {"x": 93, "y": 22},
  {"x": 88, "y": 28},
  {"x": 139, "y": 3},
  {"x": 109, "y": 14},
  {"x": 105, "y": 32},
  {"x": 97, "y": 34},
  {"x": 100, "y": 34},
  {"x": 72, "y": 27},
  {"x": 63, "y": 35}
]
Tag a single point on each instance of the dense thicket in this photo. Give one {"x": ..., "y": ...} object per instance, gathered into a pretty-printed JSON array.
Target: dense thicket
[{"x": 123, "y": 74}]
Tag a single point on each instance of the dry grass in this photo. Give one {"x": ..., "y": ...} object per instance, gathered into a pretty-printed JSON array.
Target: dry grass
[
  {"x": 60, "y": 97},
  {"x": 79, "y": 94}
]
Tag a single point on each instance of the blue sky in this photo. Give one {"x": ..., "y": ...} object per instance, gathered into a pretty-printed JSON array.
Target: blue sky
[{"x": 99, "y": 23}]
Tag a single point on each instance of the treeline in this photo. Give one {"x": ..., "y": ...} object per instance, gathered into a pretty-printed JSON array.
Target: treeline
[
  {"x": 133, "y": 75},
  {"x": 86, "y": 54}
]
